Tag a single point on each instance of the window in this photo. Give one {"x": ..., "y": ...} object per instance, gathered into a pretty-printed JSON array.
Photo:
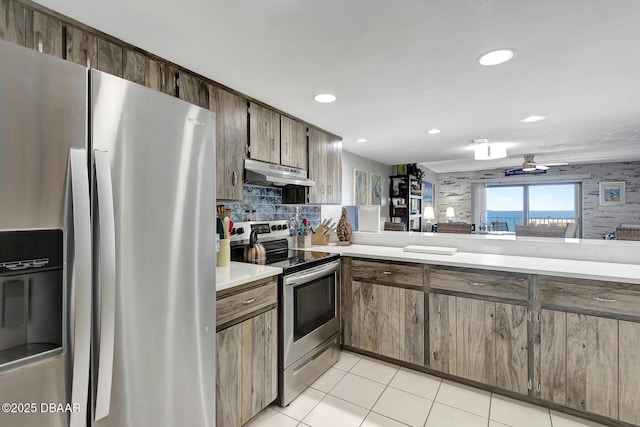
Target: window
[{"x": 537, "y": 204}]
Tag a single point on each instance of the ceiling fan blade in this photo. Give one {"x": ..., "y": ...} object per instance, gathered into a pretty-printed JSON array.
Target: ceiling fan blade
[
  {"x": 557, "y": 164},
  {"x": 542, "y": 167}
]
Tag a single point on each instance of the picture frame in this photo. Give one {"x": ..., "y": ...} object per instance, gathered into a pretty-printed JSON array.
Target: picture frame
[
  {"x": 375, "y": 197},
  {"x": 361, "y": 187},
  {"x": 612, "y": 193}
]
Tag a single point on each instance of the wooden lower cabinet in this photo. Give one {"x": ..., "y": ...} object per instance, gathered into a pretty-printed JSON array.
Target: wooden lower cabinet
[
  {"x": 385, "y": 320},
  {"x": 483, "y": 341},
  {"x": 246, "y": 369},
  {"x": 591, "y": 363}
]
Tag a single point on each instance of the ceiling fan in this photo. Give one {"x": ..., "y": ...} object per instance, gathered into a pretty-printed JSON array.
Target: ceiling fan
[{"x": 529, "y": 166}]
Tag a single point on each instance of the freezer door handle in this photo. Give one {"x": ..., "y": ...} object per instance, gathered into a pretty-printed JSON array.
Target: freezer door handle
[
  {"x": 107, "y": 276},
  {"x": 80, "y": 260}
]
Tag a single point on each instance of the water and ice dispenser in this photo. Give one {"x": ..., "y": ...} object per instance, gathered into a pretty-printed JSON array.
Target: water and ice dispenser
[{"x": 31, "y": 296}]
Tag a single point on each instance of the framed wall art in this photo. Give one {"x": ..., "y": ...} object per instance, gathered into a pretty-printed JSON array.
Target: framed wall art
[
  {"x": 612, "y": 193},
  {"x": 376, "y": 189},
  {"x": 361, "y": 187}
]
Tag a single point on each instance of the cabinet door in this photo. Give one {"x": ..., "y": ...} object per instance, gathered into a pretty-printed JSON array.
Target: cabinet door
[
  {"x": 511, "y": 348},
  {"x": 293, "y": 143},
  {"x": 264, "y": 134},
  {"x": 629, "y": 350},
  {"x": 193, "y": 90},
  {"x": 442, "y": 333},
  {"x": 318, "y": 166},
  {"x": 44, "y": 33},
  {"x": 109, "y": 58},
  {"x": 334, "y": 170},
  {"x": 12, "y": 22},
  {"x": 475, "y": 340},
  {"x": 228, "y": 363},
  {"x": 231, "y": 142},
  {"x": 81, "y": 47},
  {"x": 581, "y": 367},
  {"x": 412, "y": 326},
  {"x": 259, "y": 364},
  {"x": 143, "y": 70}
]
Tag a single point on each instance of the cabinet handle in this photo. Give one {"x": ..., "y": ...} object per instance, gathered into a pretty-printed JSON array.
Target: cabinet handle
[
  {"x": 249, "y": 301},
  {"x": 234, "y": 178},
  {"x": 322, "y": 189},
  {"x": 604, "y": 299},
  {"x": 477, "y": 284},
  {"x": 274, "y": 143},
  {"x": 329, "y": 189},
  {"x": 386, "y": 272}
]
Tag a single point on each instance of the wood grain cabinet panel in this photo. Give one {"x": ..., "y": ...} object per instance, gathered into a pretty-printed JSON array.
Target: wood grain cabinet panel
[
  {"x": 241, "y": 304},
  {"x": 228, "y": 364},
  {"x": 385, "y": 320},
  {"x": 139, "y": 68},
  {"x": 483, "y": 341},
  {"x": 109, "y": 57},
  {"x": 44, "y": 33},
  {"x": 193, "y": 90},
  {"x": 387, "y": 272},
  {"x": 325, "y": 167},
  {"x": 293, "y": 143},
  {"x": 13, "y": 22},
  {"x": 264, "y": 134},
  {"x": 629, "y": 353},
  {"x": 81, "y": 47},
  {"x": 580, "y": 369},
  {"x": 231, "y": 142},
  {"x": 512, "y": 286}
]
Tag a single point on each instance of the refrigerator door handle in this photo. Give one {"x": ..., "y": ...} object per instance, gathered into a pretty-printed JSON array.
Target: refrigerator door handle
[
  {"x": 107, "y": 274},
  {"x": 80, "y": 282}
]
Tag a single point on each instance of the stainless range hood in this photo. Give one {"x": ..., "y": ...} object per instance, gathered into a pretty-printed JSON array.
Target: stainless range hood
[{"x": 257, "y": 172}]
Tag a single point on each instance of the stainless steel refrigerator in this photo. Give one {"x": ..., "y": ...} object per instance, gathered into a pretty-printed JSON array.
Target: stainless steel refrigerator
[{"x": 113, "y": 185}]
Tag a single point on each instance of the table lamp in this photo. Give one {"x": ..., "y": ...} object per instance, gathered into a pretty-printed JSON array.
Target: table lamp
[{"x": 428, "y": 214}]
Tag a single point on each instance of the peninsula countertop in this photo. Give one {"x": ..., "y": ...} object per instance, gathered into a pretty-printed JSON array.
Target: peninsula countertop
[{"x": 594, "y": 270}]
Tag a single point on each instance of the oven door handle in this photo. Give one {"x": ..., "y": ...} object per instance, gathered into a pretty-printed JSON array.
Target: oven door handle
[{"x": 311, "y": 274}]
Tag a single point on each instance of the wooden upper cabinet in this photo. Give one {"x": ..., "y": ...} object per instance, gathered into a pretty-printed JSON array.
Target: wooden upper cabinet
[
  {"x": 231, "y": 142},
  {"x": 293, "y": 143},
  {"x": 193, "y": 90},
  {"x": 109, "y": 57},
  {"x": 44, "y": 33},
  {"x": 325, "y": 167},
  {"x": 264, "y": 134},
  {"x": 81, "y": 47},
  {"x": 141, "y": 69},
  {"x": 13, "y": 22}
]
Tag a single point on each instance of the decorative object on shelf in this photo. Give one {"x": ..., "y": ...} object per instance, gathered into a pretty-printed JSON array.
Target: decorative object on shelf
[
  {"x": 413, "y": 169},
  {"x": 360, "y": 187},
  {"x": 401, "y": 169},
  {"x": 612, "y": 193},
  {"x": 429, "y": 214},
  {"x": 451, "y": 214},
  {"x": 344, "y": 230},
  {"x": 376, "y": 189}
]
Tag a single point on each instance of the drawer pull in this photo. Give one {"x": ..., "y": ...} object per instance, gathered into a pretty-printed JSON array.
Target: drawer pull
[
  {"x": 386, "y": 272},
  {"x": 249, "y": 301},
  {"x": 477, "y": 284},
  {"x": 604, "y": 299}
]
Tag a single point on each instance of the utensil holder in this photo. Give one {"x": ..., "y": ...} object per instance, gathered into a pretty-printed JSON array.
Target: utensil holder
[
  {"x": 319, "y": 238},
  {"x": 224, "y": 254},
  {"x": 304, "y": 241}
]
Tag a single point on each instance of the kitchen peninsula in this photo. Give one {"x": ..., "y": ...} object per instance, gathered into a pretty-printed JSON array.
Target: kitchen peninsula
[{"x": 561, "y": 332}]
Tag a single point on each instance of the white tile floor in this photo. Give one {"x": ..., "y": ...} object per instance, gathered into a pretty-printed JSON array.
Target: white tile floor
[{"x": 360, "y": 391}]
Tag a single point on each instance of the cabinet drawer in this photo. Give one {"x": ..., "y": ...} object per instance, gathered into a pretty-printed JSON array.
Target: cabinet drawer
[
  {"x": 594, "y": 295},
  {"x": 498, "y": 284},
  {"x": 383, "y": 272},
  {"x": 239, "y": 305}
]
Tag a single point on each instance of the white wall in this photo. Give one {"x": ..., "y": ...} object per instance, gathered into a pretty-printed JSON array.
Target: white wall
[{"x": 350, "y": 162}]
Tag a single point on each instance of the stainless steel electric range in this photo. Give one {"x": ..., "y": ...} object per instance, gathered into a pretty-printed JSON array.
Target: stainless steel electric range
[{"x": 308, "y": 306}]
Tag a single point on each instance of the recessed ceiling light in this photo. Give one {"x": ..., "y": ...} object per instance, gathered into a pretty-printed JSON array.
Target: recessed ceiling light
[
  {"x": 496, "y": 57},
  {"x": 434, "y": 131},
  {"x": 532, "y": 119},
  {"x": 361, "y": 140},
  {"x": 324, "y": 98}
]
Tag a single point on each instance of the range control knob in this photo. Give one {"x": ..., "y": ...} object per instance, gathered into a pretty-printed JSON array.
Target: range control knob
[
  {"x": 273, "y": 227},
  {"x": 240, "y": 230},
  {"x": 280, "y": 227},
  {"x": 233, "y": 231},
  {"x": 284, "y": 227}
]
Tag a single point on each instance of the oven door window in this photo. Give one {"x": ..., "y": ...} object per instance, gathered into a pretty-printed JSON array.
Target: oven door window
[{"x": 314, "y": 305}]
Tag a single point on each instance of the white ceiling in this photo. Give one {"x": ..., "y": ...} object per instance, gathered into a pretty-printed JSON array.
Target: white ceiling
[{"x": 401, "y": 68}]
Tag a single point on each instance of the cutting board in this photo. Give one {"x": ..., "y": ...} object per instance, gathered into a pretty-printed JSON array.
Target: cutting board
[{"x": 438, "y": 250}]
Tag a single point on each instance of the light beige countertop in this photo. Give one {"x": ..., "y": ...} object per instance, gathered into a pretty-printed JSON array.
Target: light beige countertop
[
  {"x": 239, "y": 273},
  {"x": 594, "y": 270}
]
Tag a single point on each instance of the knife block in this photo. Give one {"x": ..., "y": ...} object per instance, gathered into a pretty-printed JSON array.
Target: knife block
[{"x": 319, "y": 238}]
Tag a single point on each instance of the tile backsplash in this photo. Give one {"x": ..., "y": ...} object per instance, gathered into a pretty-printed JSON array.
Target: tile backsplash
[{"x": 265, "y": 203}]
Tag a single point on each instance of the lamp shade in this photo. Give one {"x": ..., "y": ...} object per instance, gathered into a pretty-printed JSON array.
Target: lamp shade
[
  {"x": 428, "y": 214},
  {"x": 450, "y": 212}
]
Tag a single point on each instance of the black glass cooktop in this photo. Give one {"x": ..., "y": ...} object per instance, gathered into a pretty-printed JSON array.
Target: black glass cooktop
[{"x": 298, "y": 260}]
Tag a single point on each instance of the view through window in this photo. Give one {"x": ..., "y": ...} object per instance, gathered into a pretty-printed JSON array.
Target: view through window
[{"x": 538, "y": 204}]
